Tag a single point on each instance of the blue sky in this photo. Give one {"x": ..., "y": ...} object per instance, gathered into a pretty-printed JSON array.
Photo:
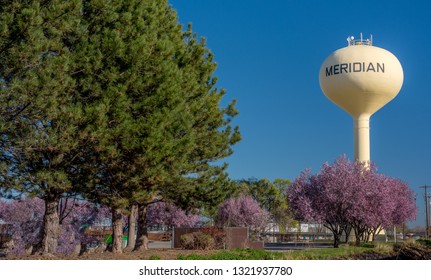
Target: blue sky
[{"x": 269, "y": 54}]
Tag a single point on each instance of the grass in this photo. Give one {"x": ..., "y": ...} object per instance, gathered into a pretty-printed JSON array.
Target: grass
[
  {"x": 328, "y": 253},
  {"x": 235, "y": 254},
  {"x": 309, "y": 254},
  {"x": 384, "y": 248}
]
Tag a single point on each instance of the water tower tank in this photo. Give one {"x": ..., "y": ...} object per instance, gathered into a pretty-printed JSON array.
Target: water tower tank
[{"x": 361, "y": 79}]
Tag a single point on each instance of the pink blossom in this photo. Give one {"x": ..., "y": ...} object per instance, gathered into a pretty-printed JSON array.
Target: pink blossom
[
  {"x": 167, "y": 214},
  {"x": 243, "y": 211},
  {"x": 348, "y": 194},
  {"x": 26, "y": 217}
]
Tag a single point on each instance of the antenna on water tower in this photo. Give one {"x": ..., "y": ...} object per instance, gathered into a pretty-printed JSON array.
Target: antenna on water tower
[{"x": 361, "y": 79}]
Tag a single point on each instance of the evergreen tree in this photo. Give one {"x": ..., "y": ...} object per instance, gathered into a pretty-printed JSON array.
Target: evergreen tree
[
  {"x": 158, "y": 125},
  {"x": 40, "y": 118},
  {"x": 195, "y": 181},
  {"x": 130, "y": 83},
  {"x": 111, "y": 100}
]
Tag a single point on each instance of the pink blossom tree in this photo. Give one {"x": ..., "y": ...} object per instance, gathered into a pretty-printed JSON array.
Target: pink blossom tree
[
  {"x": 167, "y": 214},
  {"x": 310, "y": 202},
  {"x": 399, "y": 202},
  {"x": 26, "y": 217},
  {"x": 76, "y": 216},
  {"x": 243, "y": 211},
  {"x": 348, "y": 195}
]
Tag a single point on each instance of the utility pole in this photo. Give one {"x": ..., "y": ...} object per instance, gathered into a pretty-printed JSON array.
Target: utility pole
[{"x": 427, "y": 209}]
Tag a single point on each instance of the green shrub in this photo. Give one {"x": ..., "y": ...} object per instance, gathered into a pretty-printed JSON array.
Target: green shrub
[
  {"x": 425, "y": 242},
  {"x": 366, "y": 245}
]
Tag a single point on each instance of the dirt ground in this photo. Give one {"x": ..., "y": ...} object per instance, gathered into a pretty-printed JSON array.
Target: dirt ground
[{"x": 163, "y": 254}]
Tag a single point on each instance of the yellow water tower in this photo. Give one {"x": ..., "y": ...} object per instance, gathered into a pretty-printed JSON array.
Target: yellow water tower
[{"x": 361, "y": 79}]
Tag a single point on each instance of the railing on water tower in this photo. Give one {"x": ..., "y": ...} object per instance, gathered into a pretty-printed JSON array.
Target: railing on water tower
[{"x": 366, "y": 42}]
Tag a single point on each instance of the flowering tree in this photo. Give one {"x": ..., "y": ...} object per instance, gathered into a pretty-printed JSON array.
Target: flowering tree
[
  {"x": 162, "y": 213},
  {"x": 311, "y": 203},
  {"x": 243, "y": 211},
  {"x": 76, "y": 216},
  {"x": 348, "y": 195},
  {"x": 398, "y": 201},
  {"x": 403, "y": 204},
  {"x": 26, "y": 217},
  {"x": 270, "y": 196}
]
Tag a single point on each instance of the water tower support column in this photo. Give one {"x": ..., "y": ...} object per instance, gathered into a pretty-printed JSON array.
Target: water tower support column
[{"x": 362, "y": 138}]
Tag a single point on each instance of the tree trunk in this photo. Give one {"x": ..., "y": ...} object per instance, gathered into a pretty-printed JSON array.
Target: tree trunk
[
  {"x": 336, "y": 239},
  {"x": 373, "y": 235},
  {"x": 359, "y": 234},
  {"x": 51, "y": 227},
  {"x": 131, "y": 240},
  {"x": 348, "y": 231},
  {"x": 357, "y": 238},
  {"x": 142, "y": 236},
  {"x": 117, "y": 231}
]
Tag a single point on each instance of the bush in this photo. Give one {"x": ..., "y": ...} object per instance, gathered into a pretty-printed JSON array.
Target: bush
[
  {"x": 385, "y": 248},
  {"x": 187, "y": 241},
  {"x": 412, "y": 251},
  {"x": 218, "y": 234},
  {"x": 425, "y": 242},
  {"x": 197, "y": 241},
  {"x": 204, "y": 241}
]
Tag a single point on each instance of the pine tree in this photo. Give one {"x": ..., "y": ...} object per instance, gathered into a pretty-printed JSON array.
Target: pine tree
[
  {"x": 196, "y": 180},
  {"x": 113, "y": 101},
  {"x": 40, "y": 119},
  {"x": 132, "y": 93},
  {"x": 161, "y": 128}
]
